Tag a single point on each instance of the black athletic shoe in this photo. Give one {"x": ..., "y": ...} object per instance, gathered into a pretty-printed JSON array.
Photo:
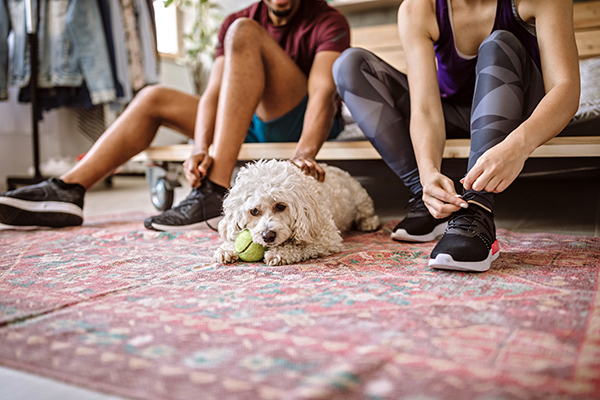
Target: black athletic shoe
[
  {"x": 203, "y": 206},
  {"x": 469, "y": 243},
  {"x": 51, "y": 203},
  {"x": 419, "y": 225}
]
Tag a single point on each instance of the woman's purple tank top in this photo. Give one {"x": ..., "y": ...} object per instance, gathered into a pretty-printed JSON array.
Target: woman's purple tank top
[{"x": 456, "y": 74}]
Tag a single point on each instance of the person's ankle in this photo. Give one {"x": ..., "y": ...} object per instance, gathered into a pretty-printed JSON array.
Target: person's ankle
[
  {"x": 68, "y": 185},
  {"x": 221, "y": 182}
]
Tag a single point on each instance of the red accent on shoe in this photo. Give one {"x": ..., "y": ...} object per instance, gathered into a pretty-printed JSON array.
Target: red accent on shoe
[{"x": 495, "y": 247}]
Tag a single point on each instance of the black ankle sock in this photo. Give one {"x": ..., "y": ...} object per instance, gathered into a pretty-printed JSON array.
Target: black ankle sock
[
  {"x": 63, "y": 185},
  {"x": 217, "y": 188}
]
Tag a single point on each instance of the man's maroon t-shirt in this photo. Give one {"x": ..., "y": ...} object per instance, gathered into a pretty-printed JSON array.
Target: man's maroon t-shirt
[{"x": 315, "y": 27}]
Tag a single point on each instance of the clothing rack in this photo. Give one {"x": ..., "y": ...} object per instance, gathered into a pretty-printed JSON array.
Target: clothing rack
[{"x": 32, "y": 21}]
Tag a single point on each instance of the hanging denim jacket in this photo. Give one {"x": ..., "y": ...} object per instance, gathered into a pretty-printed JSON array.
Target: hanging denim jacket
[
  {"x": 72, "y": 47},
  {"x": 5, "y": 28}
]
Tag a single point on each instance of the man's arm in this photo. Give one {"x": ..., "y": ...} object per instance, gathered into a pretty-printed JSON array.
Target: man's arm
[
  {"x": 418, "y": 28},
  {"x": 320, "y": 112},
  {"x": 197, "y": 165}
]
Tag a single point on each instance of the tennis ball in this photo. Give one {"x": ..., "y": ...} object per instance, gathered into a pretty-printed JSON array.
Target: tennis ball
[{"x": 246, "y": 249}]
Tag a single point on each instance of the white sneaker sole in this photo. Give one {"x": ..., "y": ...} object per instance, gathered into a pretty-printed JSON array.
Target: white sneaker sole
[
  {"x": 4, "y": 227},
  {"x": 403, "y": 236},
  {"x": 42, "y": 206},
  {"x": 445, "y": 261},
  {"x": 214, "y": 222}
]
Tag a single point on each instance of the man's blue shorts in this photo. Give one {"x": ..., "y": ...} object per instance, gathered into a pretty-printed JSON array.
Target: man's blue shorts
[{"x": 286, "y": 128}]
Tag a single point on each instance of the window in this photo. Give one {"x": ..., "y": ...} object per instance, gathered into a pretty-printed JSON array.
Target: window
[{"x": 167, "y": 29}]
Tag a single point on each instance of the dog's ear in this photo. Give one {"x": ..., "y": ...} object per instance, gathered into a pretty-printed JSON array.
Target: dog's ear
[
  {"x": 311, "y": 218},
  {"x": 234, "y": 216}
]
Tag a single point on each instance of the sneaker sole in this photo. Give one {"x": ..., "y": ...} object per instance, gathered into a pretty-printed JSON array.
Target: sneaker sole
[
  {"x": 445, "y": 261},
  {"x": 22, "y": 228},
  {"x": 196, "y": 226},
  {"x": 33, "y": 214},
  {"x": 403, "y": 236}
]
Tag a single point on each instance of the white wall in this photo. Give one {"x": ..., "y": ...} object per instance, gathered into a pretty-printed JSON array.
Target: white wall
[
  {"x": 58, "y": 137},
  {"x": 230, "y": 6},
  {"x": 58, "y": 130}
]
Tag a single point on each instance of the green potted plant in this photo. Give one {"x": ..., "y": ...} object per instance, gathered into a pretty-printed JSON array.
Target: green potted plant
[{"x": 202, "y": 20}]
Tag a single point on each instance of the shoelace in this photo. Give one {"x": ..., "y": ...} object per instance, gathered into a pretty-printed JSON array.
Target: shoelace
[{"x": 468, "y": 219}]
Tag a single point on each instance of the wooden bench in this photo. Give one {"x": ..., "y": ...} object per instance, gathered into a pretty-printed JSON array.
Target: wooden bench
[{"x": 383, "y": 40}]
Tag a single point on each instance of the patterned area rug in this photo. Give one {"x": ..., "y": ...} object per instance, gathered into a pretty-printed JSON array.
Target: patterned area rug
[{"x": 116, "y": 308}]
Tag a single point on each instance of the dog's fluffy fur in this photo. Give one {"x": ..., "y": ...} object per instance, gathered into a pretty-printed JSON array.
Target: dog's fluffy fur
[{"x": 292, "y": 214}]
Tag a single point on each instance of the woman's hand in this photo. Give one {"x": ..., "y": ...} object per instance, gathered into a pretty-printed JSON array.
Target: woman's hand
[
  {"x": 196, "y": 167},
  {"x": 495, "y": 169},
  {"x": 309, "y": 166},
  {"x": 439, "y": 195}
]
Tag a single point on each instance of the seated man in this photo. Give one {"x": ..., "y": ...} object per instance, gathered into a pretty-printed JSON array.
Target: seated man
[{"x": 271, "y": 82}]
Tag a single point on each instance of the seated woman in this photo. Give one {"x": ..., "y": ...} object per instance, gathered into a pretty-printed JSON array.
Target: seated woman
[{"x": 503, "y": 72}]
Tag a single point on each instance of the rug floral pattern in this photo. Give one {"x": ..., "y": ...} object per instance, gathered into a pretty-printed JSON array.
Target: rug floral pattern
[{"x": 116, "y": 308}]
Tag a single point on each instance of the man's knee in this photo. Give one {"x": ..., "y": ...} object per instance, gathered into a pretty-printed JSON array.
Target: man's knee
[
  {"x": 242, "y": 33},
  {"x": 153, "y": 98},
  {"x": 151, "y": 94}
]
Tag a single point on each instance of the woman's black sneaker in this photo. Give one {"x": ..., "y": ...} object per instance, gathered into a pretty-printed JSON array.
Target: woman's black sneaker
[
  {"x": 202, "y": 207},
  {"x": 469, "y": 243},
  {"x": 419, "y": 225},
  {"x": 51, "y": 203}
]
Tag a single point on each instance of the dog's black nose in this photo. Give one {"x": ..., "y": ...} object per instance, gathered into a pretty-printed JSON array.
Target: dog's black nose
[{"x": 269, "y": 236}]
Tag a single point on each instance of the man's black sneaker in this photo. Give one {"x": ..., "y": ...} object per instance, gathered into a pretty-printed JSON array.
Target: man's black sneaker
[
  {"x": 202, "y": 206},
  {"x": 469, "y": 243},
  {"x": 51, "y": 203},
  {"x": 419, "y": 225}
]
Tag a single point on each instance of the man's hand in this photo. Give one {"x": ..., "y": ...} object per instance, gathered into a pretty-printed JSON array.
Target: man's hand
[
  {"x": 309, "y": 166},
  {"x": 439, "y": 195},
  {"x": 196, "y": 168}
]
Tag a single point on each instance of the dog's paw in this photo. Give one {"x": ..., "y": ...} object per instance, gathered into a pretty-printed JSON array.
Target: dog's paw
[
  {"x": 273, "y": 258},
  {"x": 369, "y": 224},
  {"x": 225, "y": 256}
]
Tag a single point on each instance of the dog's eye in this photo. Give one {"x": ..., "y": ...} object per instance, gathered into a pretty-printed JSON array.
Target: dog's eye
[
  {"x": 254, "y": 212},
  {"x": 280, "y": 207}
]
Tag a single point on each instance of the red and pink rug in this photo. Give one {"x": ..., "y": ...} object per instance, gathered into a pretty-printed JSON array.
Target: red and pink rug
[{"x": 114, "y": 307}]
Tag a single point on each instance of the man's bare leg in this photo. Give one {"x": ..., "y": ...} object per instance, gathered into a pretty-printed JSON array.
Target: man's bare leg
[
  {"x": 134, "y": 130},
  {"x": 258, "y": 77},
  {"x": 58, "y": 203}
]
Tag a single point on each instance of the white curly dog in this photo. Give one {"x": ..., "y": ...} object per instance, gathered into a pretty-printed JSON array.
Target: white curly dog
[{"x": 292, "y": 214}]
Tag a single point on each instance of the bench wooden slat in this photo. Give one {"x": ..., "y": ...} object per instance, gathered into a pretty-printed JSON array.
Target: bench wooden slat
[
  {"x": 586, "y": 14},
  {"x": 352, "y": 6},
  {"x": 384, "y": 41},
  {"x": 373, "y": 37},
  {"x": 588, "y": 43},
  {"x": 571, "y": 146}
]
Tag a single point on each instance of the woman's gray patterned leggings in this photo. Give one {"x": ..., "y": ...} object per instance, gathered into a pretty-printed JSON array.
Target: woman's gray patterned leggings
[{"x": 508, "y": 87}]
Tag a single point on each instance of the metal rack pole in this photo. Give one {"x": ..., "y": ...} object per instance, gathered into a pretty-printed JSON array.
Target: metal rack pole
[{"x": 31, "y": 19}]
